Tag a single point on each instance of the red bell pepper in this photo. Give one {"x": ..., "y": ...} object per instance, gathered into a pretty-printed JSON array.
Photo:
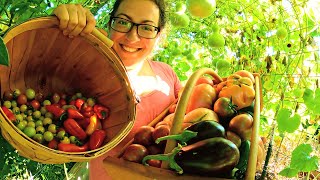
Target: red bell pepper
[
  {"x": 55, "y": 110},
  {"x": 74, "y": 114},
  {"x": 9, "y": 114},
  {"x": 94, "y": 124},
  {"x": 101, "y": 111},
  {"x": 73, "y": 147},
  {"x": 73, "y": 128},
  {"x": 97, "y": 139}
]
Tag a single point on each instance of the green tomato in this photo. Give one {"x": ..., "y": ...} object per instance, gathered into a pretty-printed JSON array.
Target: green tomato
[
  {"x": 46, "y": 102},
  {"x": 48, "y": 136},
  {"x": 30, "y": 93},
  {"x": 31, "y": 124},
  {"x": 16, "y": 110},
  {"x": 40, "y": 129},
  {"x": 21, "y": 125},
  {"x": 61, "y": 134},
  {"x": 36, "y": 114},
  {"x": 52, "y": 128},
  {"x": 19, "y": 117},
  {"x": 39, "y": 123},
  {"x": 47, "y": 121},
  {"x": 14, "y": 103},
  {"x": 43, "y": 110},
  {"x": 48, "y": 115},
  {"x": 65, "y": 140},
  {"x": 23, "y": 108},
  {"x": 29, "y": 131},
  {"x": 7, "y": 104},
  {"x": 38, "y": 138}
]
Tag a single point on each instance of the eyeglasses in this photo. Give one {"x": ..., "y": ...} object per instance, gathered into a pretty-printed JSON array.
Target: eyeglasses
[{"x": 144, "y": 30}]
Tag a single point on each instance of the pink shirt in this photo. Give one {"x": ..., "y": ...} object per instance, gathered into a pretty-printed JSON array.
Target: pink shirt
[{"x": 150, "y": 106}]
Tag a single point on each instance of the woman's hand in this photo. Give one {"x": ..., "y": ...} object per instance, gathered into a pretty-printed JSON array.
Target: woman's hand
[{"x": 75, "y": 19}]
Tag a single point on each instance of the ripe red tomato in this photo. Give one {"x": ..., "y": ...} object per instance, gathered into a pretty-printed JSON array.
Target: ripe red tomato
[
  {"x": 154, "y": 163},
  {"x": 144, "y": 136},
  {"x": 35, "y": 104},
  {"x": 135, "y": 153},
  {"x": 22, "y": 99},
  {"x": 224, "y": 107}
]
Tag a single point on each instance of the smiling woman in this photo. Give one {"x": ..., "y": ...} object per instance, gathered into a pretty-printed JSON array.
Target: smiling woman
[{"x": 134, "y": 28}]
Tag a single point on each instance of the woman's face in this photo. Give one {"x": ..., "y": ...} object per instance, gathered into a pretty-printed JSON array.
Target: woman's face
[{"x": 132, "y": 48}]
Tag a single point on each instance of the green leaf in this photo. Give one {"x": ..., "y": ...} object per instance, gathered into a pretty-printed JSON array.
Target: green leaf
[
  {"x": 4, "y": 57},
  {"x": 289, "y": 172},
  {"x": 301, "y": 159},
  {"x": 286, "y": 123}
]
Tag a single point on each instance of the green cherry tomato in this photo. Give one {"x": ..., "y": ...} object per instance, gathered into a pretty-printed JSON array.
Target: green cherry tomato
[
  {"x": 31, "y": 124},
  {"x": 39, "y": 123},
  {"x": 46, "y": 102},
  {"x": 7, "y": 104},
  {"x": 29, "y": 118},
  {"x": 40, "y": 129},
  {"x": 61, "y": 134},
  {"x": 29, "y": 131},
  {"x": 38, "y": 138},
  {"x": 47, "y": 121},
  {"x": 19, "y": 117},
  {"x": 16, "y": 93},
  {"x": 73, "y": 139},
  {"x": 21, "y": 125},
  {"x": 14, "y": 103},
  {"x": 36, "y": 114},
  {"x": 48, "y": 115},
  {"x": 52, "y": 128},
  {"x": 48, "y": 136},
  {"x": 30, "y": 93},
  {"x": 16, "y": 110},
  {"x": 43, "y": 110},
  {"x": 23, "y": 108}
]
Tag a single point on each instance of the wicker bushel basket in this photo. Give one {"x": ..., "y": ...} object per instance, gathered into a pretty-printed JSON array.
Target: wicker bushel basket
[
  {"x": 120, "y": 169},
  {"x": 42, "y": 58}
]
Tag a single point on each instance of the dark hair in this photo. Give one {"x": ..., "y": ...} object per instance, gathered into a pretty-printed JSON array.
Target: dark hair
[{"x": 160, "y": 3}]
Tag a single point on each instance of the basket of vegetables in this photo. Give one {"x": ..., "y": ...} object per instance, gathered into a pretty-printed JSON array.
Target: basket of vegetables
[
  {"x": 63, "y": 99},
  {"x": 210, "y": 133}
]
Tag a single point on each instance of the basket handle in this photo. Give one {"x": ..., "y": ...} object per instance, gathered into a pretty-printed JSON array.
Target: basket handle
[
  {"x": 182, "y": 105},
  {"x": 108, "y": 42}
]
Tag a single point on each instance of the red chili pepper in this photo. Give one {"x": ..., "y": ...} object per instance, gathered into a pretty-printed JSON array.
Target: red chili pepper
[
  {"x": 79, "y": 103},
  {"x": 101, "y": 111},
  {"x": 73, "y": 128},
  {"x": 53, "y": 144},
  {"x": 84, "y": 122},
  {"x": 93, "y": 124},
  {"x": 73, "y": 147},
  {"x": 96, "y": 139},
  {"x": 9, "y": 114},
  {"x": 74, "y": 114},
  {"x": 55, "y": 110}
]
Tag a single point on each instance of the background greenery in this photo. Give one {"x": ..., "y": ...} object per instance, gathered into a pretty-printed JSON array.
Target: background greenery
[{"x": 289, "y": 69}]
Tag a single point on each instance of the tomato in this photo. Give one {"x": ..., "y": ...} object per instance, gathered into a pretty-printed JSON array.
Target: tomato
[
  {"x": 97, "y": 139},
  {"x": 29, "y": 131},
  {"x": 135, "y": 153},
  {"x": 38, "y": 138},
  {"x": 22, "y": 99},
  {"x": 242, "y": 125},
  {"x": 30, "y": 93},
  {"x": 224, "y": 107},
  {"x": 144, "y": 136},
  {"x": 203, "y": 96},
  {"x": 154, "y": 149},
  {"x": 48, "y": 136},
  {"x": 55, "y": 98},
  {"x": 35, "y": 104},
  {"x": 53, "y": 144},
  {"x": 8, "y": 95}
]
